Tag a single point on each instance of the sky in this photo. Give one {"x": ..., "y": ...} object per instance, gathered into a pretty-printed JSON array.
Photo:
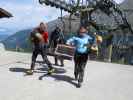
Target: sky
[
  {"x": 27, "y": 14},
  {"x": 119, "y": 1}
]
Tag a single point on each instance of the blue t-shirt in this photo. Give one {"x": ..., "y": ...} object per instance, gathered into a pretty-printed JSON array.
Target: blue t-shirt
[{"x": 80, "y": 41}]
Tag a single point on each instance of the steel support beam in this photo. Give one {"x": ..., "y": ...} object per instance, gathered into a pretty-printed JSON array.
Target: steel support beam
[{"x": 58, "y": 4}]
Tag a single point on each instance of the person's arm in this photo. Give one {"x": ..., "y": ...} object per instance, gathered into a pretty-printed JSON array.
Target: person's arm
[
  {"x": 52, "y": 35},
  {"x": 33, "y": 34},
  {"x": 70, "y": 41},
  {"x": 91, "y": 42},
  {"x": 62, "y": 35}
]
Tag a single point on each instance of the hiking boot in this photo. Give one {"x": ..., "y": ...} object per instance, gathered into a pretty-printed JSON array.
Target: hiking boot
[
  {"x": 50, "y": 71},
  {"x": 56, "y": 64},
  {"x": 79, "y": 85},
  {"x": 62, "y": 65},
  {"x": 30, "y": 72}
]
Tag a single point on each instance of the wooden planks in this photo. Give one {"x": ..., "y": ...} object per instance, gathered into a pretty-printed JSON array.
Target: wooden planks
[
  {"x": 65, "y": 50},
  {"x": 62, "y": 52}
]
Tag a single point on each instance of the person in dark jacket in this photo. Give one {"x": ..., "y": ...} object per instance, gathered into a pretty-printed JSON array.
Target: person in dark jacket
[
  {"x": 39, "y": 38},
  {"x": 57, "y": 37}
]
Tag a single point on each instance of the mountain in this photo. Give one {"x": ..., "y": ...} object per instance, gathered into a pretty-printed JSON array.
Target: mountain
[
  {"x": 5, "y": 33},
  {"x": 3, "y": 36},
  {"x": 19, "y": 39}
]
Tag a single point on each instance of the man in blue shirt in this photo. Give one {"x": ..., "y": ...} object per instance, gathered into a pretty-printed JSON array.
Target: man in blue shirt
[{"x": 82, "y": 42}]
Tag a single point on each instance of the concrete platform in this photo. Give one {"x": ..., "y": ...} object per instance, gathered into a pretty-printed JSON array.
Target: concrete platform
[{"x": 103, "y": 81}]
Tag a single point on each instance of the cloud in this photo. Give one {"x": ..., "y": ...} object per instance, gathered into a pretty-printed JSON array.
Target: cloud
[
  {"x": 3, "y": 30},
  {"x": 119, "y": 1},
  {"x": 27, "y": 15}
]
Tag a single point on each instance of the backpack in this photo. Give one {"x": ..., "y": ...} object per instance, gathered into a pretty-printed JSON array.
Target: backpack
[{"x": 34, "y": 37}]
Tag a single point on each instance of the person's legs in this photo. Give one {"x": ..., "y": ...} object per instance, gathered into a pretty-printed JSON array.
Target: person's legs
[
  {"x": 54, "y": 46},
  {"x": 44, "y": 56},
  {"x": 76, "y": 61},
  {"x": 34, "y": 56},
  {"x": 62, "y": 62},
  {"x": 56, "y": 60},
  {"x": 81, "y": 67},
  {"x": 81, "y": 71}
]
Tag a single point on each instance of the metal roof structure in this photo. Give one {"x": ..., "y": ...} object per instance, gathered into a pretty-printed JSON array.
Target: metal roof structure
[{"x": 4, "y": 13}]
